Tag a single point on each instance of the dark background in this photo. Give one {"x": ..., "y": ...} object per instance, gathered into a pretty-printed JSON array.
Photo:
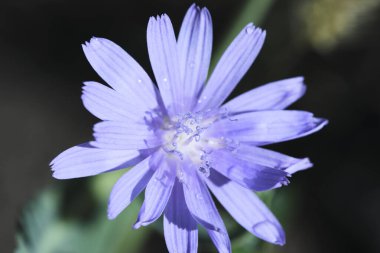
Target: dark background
[{"x": 42, "y": 66}]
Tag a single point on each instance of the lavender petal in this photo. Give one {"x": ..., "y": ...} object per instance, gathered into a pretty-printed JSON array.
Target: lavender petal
[
  {"x": 271, "y": 159},
  {"x": 157, "y": 194},
  {"x": 121, "y": 71},
  {"x": 85, "y": 160},
  {"x": 266, "y": 127},
  {"x": 180, "y": 229},
  {"x": 247, "y": 174},
  {"x": 247, "y": 209},
  {"x": 124, "y": 135},
  {"x": 162, "y": 48},
  {"x": 129, "y": 186},
  {"x": 272, "y": 96},
  {"x": 194, "y": 49},
  {"x": 108, "y": 104},
  {"x": 233, "y": 65},
  {"x": 203, "y": 210}
]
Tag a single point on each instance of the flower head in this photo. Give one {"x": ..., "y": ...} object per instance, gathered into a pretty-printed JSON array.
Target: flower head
[{"x": 179, "y": 137}]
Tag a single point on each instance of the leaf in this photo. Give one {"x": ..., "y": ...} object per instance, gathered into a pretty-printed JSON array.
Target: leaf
[{"x": 44, "y": 229}]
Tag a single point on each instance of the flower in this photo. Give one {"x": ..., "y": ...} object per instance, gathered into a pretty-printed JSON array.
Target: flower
[{"x": 181, "y": 140}]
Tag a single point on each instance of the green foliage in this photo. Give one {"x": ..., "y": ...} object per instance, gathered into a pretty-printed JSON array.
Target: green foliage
[
  {"x": 44, "y": 229},
  {"x": 328, "y": 23},
  {"x": 251, "y": 11}
]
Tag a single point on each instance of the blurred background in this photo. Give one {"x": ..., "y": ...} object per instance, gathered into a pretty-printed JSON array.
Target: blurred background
[{"x": 334, "y": 44}]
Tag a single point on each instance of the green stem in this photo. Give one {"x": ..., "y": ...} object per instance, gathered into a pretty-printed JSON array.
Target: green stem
[{"x": 251, "y": 11}]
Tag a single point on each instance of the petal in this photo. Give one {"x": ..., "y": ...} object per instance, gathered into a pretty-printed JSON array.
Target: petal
[
  {"x": 247, "y": 209},
  {"x": 124, "y": 135},
  {"x": 302, "y": 164},
  {"x": 271, "y": 159},
  {"x": 181, "y": 232},
  {"x": 232, "y": 66},
  {"x": 265, "y": 127},
  {"x": 129, "y": 186},
  {"x": 272, "y": 96},
  {"x": 245, "y": 173},
  {"x": 121, "y": 71},
  {"x": 108, "y": 104},
  {"x": 194, "y": 51},
  {"x": 203, "y": 210},
  {"x": 85, "y": 160},
  {"x": 157, "y": 194},
  {"x": 162, "y": 48}
]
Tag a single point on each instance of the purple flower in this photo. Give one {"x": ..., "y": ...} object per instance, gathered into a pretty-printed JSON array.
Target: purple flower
[{"x": 181, "y": 140}]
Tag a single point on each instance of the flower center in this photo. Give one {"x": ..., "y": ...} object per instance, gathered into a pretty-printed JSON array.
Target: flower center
[{"x": 186, "y": 139}]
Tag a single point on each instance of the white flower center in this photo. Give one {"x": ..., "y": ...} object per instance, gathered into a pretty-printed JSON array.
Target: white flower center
[{"x": 185, "y": 139}]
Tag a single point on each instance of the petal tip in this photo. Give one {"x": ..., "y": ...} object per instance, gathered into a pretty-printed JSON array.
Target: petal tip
[
  {"x": 280, "y": 242},
  {"x": 269, "y": 232},
  {"x": 137, "y": 225},
  {"x": 84, "y": 47},
  {"x": 303, "y": 164},
  {"x": 111, "y": 214},
  {"x": 94, "y": 39},
  {"x": 112, "y": 211},
  {"x": 263, "y": 35},
  {"x": 95, "y": 43},
  {"x": 204, "y": 10},
  {"x": 60, "y": 176},
  {"x": 320, "y": 122},
  {"x": 51, "y": 164},
  {"x": 151, "y": 19}
]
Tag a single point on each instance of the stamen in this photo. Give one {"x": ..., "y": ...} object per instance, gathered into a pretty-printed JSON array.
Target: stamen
[
  {"x": 231, "y": 144},
  {"x": 183, "y": 139},
  {"x": 227, "y": 114},
  {"x": 205, "y": 171},
  {"x": 179, "y": 154},
  {"x": 153, "y": 119},
  {"x": 205, "y": 164}
]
